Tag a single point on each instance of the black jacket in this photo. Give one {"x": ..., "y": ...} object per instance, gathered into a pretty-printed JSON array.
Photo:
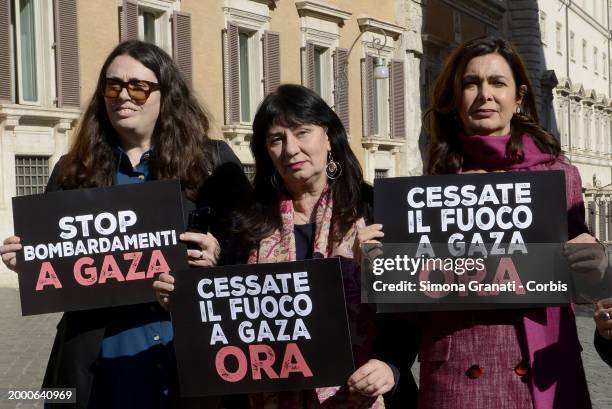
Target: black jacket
[
  {"x": 76, "y": 348},
  {"x": 604, "y": 348}
]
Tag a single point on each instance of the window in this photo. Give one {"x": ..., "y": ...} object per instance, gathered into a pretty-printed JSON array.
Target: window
[
  {"x": 249, "y": 171},
  {"x": 381, "y": 105},
  {"x": 245, "y": 81},
  {"x": 587, "y": 131},
  {"x": 543, "y": 26},
  {"x": 584, "y": 52},
  {"x": 604, "y": 65},
  {"x": 27, "y": 46},
  {"x": 572, "y": 45},
  {"x": 317, "y": 69},
  {"x": 34, "y": 60},
  {"x": 322, "y": 73},
  {"x": 31, "y": 174},
  {"x": 596, "y": 60},
  {"x": 149, "y": 27},
  {"x": 154, "y": 26},
  {"x": 380, "y": 173},
  {"x": 558, "y": 37},
  {"x": 320, "y": 27}
]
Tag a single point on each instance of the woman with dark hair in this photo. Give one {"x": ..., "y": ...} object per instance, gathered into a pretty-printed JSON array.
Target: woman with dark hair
[
  {"x": 143, "y": 123},
  {"x": 483, "y": 118},
  {"x": 311, "y": 202}
]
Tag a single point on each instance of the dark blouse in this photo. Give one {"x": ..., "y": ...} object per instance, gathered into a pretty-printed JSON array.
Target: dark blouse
[{"x": 304, "y": 240}]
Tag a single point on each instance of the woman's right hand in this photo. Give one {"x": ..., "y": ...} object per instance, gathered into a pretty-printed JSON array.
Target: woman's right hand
[
  {"x": 369, "y": 235},
  {"x": 163, "y": 286},
  {"x": 9, "y": 249},
  {"x": 603, "y": 320}
]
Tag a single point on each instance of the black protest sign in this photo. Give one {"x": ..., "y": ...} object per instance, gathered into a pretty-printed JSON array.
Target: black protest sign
[
  {"x": 491, "y": 238},
  {"x": 99, "y": 247},
  {"x": 261, "y": 328}
]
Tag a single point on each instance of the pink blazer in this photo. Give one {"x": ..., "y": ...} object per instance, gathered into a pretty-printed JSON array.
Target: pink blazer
[{"x": 512, "y": 359}]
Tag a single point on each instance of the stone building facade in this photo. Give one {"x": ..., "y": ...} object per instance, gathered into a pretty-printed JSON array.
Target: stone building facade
[
  {"x": 567, "y": 45},
  {"x": 232, "y": 51},
  {"x": 235, "y": 51}
]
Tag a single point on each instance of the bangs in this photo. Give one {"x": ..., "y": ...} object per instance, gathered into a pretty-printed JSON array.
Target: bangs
[
  {"x": 290, "y": 113},
  {"x": 288, "y": 120}
]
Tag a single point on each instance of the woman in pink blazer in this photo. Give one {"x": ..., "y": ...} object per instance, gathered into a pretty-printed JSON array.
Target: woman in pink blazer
[{"x": 482, "y": 119}]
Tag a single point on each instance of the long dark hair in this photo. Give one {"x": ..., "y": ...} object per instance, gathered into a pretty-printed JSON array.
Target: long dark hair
[
  {"x": 294, "y": 105},
  {"x": 442, "y": 120},
  {"x": 180, "y": 136}
]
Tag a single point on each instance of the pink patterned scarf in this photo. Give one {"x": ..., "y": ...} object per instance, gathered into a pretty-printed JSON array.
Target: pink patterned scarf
[{"x": 280, "y": 247}]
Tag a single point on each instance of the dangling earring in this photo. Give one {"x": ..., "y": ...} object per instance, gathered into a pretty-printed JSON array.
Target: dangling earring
[
  {"x": 518, "y": 110},
  {"x": 333, "y": 168},
  {"x": 274, "y": 181}
]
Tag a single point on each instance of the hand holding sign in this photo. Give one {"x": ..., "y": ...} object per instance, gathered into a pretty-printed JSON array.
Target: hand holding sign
[
  {"x": 209, "y": 249},
  {"x": 603, "y": 318},
  {"x": 163, "y": 286},
  {"x": 372, "y": 379},
  {"x": 587, "y": 256},
  {"x": 9, "y": 251},
  {"x": 371, "y": 235}
]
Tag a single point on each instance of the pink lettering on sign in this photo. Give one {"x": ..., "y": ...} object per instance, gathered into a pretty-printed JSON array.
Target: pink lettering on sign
[
  {"x": 222, "y": 370},
  {"x": 86, "y": 273},
  {"x": 110, "y": 270},
  {"x": 133, "y": 273},
  {"x": 506, "y": 273},
  {"x": 294, "y": 362},
  {"x": 158, "y": 264},
  {"x": 259, "y": 364},
  {"x": 261, "y": 358},
  {"x": 90, "y": 273},
  {"x": 47, "y": 276}
]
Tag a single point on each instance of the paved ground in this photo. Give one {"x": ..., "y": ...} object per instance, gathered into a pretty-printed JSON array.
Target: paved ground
[{"x": 25, "y": 343}]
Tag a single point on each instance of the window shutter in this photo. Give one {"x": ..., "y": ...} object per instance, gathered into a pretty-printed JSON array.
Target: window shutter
[
  {"x": 271, "y": 65},
  {"x": 67, "y": 54},
  {"x": 232, "y": 75},
  {"x": 370, "y": 118},
  {"x": 129, "y": 20},
  {"x": 341, "y": 100},
  {"x": 6, "y": 52},
  {"x": 309, "y": 63},
  {"x": 396, "y": 100},
  {"x": 181, "y": 44}
]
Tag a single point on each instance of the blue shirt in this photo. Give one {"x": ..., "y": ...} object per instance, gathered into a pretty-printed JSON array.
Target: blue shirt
[{"x": 136, "y": 367}]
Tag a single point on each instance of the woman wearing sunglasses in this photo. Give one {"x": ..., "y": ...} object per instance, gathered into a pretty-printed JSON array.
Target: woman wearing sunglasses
[{"x": 143, "y": 123}]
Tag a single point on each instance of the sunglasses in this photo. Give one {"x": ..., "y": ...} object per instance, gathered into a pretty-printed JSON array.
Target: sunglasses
[{"x": 138, "y": 90}]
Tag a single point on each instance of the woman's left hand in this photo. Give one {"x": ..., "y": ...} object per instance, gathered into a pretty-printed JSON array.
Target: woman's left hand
[
  {"x": 587, "y": 256},
  {"x": 369, "y": 235},
  {"x": 372, "y": 379},
  {"x": 603, "y": 321},
  {"x": 209, "y": 249}
]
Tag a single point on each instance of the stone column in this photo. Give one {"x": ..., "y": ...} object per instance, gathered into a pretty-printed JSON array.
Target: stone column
[{"x": 410, "y": 16}]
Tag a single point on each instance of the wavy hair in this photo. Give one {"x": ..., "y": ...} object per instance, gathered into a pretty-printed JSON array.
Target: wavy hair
[
  {"x": 180, "y": 136},
  {"x": 291, "y": 106},
  {"x": 443, "y": 124}
]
